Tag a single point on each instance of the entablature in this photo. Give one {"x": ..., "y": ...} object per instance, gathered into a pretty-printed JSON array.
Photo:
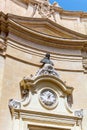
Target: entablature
[
  {"x": 11, "y": 26},
  {"x": 13, "y": 31}
]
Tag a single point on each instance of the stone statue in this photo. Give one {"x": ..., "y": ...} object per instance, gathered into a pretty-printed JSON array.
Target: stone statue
[
  {"x": 47, "y": 68},
  {"x": 46, "y": 60}
]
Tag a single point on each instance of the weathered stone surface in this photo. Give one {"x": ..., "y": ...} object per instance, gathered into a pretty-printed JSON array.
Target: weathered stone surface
[{"x": 24, "y": 40}]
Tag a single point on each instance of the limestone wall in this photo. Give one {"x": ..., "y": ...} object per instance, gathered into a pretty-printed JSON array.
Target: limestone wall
[
  {"x": 23, "y": 55},
  {"x": 21, "y": 61},
  {"x": 1, "y": 73},
  {"x": 76, "y": 21}
]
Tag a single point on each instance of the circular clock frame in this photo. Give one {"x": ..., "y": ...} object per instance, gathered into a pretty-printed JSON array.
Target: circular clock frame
[{"x": 48, "y": 98}]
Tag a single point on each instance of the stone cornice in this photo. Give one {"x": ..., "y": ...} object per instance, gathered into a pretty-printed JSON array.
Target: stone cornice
[
  {"x": 2, "y": 46},
  {"x": 27, "y": 82},
  {"x": 51, "y": 24},
  {"x": 73, "y": 13},
  {"x": 11, "y": 27},
  {"x": 49, "y": 114},
  {"x": 69, "y": 121},
  {"x": 61, "y": 11},
  {"x": 41, "y": 38},
  {"x": 20, "y": 19}
]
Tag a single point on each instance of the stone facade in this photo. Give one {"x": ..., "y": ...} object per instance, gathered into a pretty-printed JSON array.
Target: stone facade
[
  {"x": 29, "y": 30},
  {"x": 76, "y": 20}
]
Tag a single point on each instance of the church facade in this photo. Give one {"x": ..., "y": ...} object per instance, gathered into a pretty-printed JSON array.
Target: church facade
[{"x": 43, "y": 66}]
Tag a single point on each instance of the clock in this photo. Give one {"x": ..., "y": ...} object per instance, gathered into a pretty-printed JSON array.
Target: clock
[{"x": 48, "y": 98}]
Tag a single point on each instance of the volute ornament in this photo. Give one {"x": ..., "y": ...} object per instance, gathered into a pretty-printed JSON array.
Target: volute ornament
[{"x": 14, "y": 104}]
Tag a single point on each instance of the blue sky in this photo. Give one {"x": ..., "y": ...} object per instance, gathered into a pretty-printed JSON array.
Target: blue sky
[{"x": 72, "y": 5}]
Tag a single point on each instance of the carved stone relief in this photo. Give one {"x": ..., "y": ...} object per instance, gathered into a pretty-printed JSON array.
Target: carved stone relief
[
  {"x": 47, "y": 70},
  {"x": 49, "y": 93},
  {"x": 14, "y": 104},
  {"x": 79, "y": 113},
  {"x": 45, "y": 9},
  {"x": 28, "y": 84}
]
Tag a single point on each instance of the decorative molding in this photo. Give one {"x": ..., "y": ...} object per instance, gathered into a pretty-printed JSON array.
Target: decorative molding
[
  {"x": 70, "y": 100},
  {"x": 47, "y": 70},
  {"x": 56, "y": 87},
  {"x": 3, "y": 46},
  {"x": 49, "y": 74},
  {"x": 79, "y": 113},
  {"x": 14, "y": 104},
  {"x": 17, "y": 104},
  {"x": 85, "y": 65},
  {"x": 84, "y": 60},
  {"x": 12, "y": 30},
  {"x": 57, "y": 8},
  {"x": 44, "y": 38},
  {"x": 11, "y": 33},
  {"x": 26, "y": 95},
  {"x": 34, "y": 117}
]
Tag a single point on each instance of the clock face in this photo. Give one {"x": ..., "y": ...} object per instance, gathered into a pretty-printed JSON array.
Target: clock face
[{"x": 48, "y": 98}]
